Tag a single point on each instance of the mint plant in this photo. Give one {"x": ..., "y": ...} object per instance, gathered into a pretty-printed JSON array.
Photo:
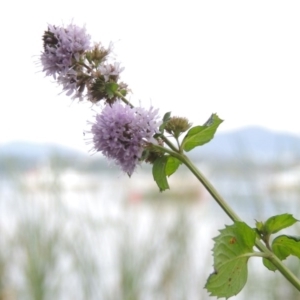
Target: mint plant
[{"x": 129, "y": 136}]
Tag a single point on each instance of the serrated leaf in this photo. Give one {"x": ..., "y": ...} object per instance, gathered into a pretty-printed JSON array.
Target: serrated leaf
[
  {"x": 279, "y": 222},
  {"x": 230, "y": 260},
  {"x": 200, "y": 135},
  {"x": 285, "y": 245},
  {"x": 159, "y": 173},
  {"x": 172, "y": 165}
]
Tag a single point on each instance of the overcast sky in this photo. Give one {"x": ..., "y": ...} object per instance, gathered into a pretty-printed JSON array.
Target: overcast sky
[{"x": 240, "y": 59}]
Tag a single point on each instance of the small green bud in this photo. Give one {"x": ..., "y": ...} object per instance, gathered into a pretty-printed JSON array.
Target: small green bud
[{"x": 259, "y": 226}]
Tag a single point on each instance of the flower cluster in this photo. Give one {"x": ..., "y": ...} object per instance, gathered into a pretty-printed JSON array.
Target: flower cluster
[
  {"x": 84, "y": 72},
  {"x": 121, "y": 133}
]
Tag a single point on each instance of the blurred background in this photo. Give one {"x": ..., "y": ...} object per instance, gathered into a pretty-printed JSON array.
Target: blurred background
[{"x": 72, "y": 226}]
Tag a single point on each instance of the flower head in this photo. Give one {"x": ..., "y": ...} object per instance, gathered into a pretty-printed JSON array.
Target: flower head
[
  {"x": 121, "y": 133},
  {"x": 177, "y": 125},
  {"x": 62, "y": 46}
]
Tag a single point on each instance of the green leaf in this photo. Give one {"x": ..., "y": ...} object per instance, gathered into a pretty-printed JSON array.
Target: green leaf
[
  {"x": 269, "y": 265},
  {"x": 200, "y": 135},
  {"x": 159, "y": 173},
  {"x": 285, "y": 245},
  {"x": 279, "y": 222},
  {"x": 172, "y": 165},
  {"x": 230, "y": 252},
  {"x": 111, "y": 88},
  {"x": 166, "y": 118}
]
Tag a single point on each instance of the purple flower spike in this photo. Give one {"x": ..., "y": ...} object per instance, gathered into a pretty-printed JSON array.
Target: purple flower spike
[
  {"x": 61, "y": 46},
  {"x": 120, "y": 133}
]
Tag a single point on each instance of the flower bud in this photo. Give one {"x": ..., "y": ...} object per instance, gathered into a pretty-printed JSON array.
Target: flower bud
[{"x": 177, "y": 125}]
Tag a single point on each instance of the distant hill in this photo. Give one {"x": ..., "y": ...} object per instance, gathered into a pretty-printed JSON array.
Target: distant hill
[
  {"x": 255, "y": 143},
  {"x": 35, "y": 151},
  {"x": 22, "y": 156}
]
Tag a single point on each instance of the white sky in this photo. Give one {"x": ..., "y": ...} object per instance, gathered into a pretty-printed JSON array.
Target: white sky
[{"x": 240, "y": 59}]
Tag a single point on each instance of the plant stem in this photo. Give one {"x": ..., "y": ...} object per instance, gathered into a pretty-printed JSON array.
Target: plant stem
[
  {"x": 270, "y": 255},
  {"x": 169, "y": 143},
  {"x": 233, "y": 216},
  {"x": 219, "y": 199},
  {"x": 123, "y": 99},
  {"x": 213, "y": 192},
  {"x": 279, "y": 265}
]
